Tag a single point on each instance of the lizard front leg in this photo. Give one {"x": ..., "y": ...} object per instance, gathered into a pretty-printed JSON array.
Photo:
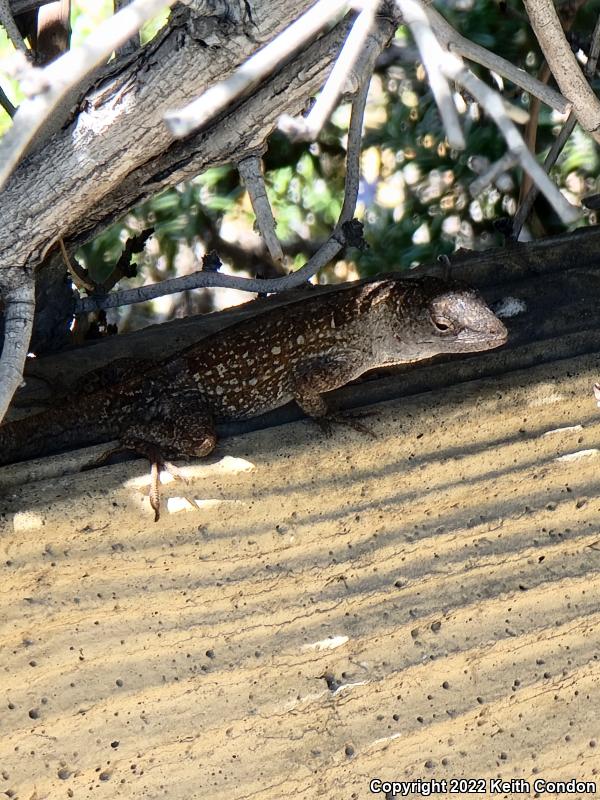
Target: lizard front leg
[
  {"x": 191, "y": 436},
  {"x": 324, "y": 374}
]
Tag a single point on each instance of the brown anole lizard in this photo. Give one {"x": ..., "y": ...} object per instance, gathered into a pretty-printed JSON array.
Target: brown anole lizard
[{"x": 296, "y": 352}]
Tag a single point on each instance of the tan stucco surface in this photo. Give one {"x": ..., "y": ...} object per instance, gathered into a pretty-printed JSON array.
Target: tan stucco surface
[{"x": 424, "y": 604}]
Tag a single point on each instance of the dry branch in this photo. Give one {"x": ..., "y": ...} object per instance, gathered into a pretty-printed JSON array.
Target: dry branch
[
  {"x": 74, "y": 180},
  {"x": 308, "y": 128},
  {"x": 438, "y": 63},
  {"x": 250, "y": 170},
  {"x": 453, "y": 69}
]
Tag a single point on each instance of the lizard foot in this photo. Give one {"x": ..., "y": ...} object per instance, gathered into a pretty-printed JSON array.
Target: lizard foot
[{"x": 156, "y": 465}]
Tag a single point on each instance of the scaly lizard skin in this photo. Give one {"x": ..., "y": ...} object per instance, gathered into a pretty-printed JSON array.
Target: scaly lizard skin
[{"x": 292, "y": 353}]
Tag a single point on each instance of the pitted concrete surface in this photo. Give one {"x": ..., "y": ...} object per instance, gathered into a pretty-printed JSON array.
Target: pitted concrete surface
[{"x": 311, "y": 613}]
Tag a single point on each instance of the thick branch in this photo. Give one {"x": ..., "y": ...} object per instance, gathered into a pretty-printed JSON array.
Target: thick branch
[
  {"x": 118, "y": 132},
  {"x": 234, "y": 136},
  {"x": 17, "y": 287}
]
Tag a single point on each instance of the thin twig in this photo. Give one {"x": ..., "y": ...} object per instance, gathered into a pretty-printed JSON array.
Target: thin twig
[
  {"x": 7, "y": 20},
  {"x": 250, "y": 170},
  {"x": 67, "y": 72},
  {"x": 524, "y": 209},
  {"x": 503, "y": 164},
  {"x": 308, "y": 128},
  {"x": 492, "y": 103},
  {"x": 437, "y": 63},
  {"x": 6, "y": 104},
  {"x": 78, "y": 275},
  {"x": 568, "y": 12},
  {"x": 454, "y": 69},
  {"x": 183, "y": 121},
  {"x": 451, "y": 39}
]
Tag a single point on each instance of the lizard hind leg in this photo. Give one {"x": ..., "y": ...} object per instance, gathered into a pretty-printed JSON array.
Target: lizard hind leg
[{"x": 186, "y": 437}]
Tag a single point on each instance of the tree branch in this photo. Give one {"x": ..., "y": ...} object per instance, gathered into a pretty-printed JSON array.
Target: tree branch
[
  {"x": 455, "y": 43},
  {"x": 437, "y": 63},
  {"x": 563, "y": 64},
  {"x": 69, "y": 71},
  {"x": 454, "y": 69},
  {"x": 250, "y": 170},
  {"x": 187, "y": 119},
  {"x": 557, "y": 145},
  {"x": 492, "y": 103},
  {"x": 503, "y": 164},
  {"x": 308, "y": 128},
  {"x": 324, "y": 254},
  {"x": 18, "y": 293},
  {"x": 7, "y": 20}
]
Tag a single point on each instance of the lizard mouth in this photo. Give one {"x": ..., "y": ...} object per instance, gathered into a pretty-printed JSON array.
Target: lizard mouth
[{"x": 487, "y": 341}]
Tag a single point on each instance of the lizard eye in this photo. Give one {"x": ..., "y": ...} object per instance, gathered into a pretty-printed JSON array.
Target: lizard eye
[{"x": 442, "y": 325}]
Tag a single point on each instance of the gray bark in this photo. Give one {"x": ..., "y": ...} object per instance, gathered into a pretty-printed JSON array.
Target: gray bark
[{"x": 116, "y": 150}]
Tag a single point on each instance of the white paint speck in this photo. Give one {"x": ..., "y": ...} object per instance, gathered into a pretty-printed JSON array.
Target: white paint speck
[
  {"x": 326, "y": 644},
  {"x": 510, "y": 307},
  {"x": 26, "y": 521},
  {"x": 593, "y": 451},
  {"x": 547, "y": 399},
  {"x": 567, "y": 428},
  {"x": 276, "y": 350},
  {"x": 345, "y": 687}
]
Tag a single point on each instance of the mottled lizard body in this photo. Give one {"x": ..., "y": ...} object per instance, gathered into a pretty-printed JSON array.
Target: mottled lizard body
[{"x": 295, "y": 352}]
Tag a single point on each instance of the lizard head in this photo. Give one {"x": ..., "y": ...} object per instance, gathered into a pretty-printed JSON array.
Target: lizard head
[
  {"x": 430, "y": 316},
  {"x": 458, "y": 320}
]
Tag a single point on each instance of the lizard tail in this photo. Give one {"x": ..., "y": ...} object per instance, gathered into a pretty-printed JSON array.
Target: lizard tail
[{"x": 44, "y": 433}]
